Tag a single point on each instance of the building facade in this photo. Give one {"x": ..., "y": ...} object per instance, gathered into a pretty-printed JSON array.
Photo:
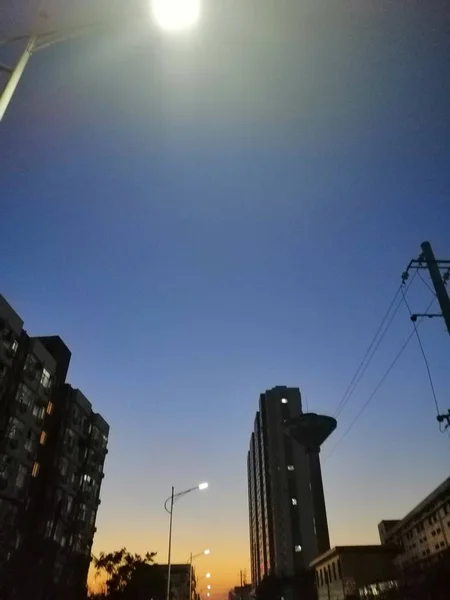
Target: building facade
[
  {"x": 52, "y": 451},
  {"x": 354, "y": 571},
  {"x": 282, "y": 510},
  {"x": 423, "y": 534}
]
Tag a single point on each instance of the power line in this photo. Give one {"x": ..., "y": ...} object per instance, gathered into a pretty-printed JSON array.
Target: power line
[
  {"x": 377, "y": 387},
  {"x": 371, "y": 350},
  {"x": 425, "y": 282},
  {"x": 433, "y": 391}
]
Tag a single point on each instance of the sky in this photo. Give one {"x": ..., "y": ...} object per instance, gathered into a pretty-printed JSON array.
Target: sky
[{"x": 204, "y": 216}]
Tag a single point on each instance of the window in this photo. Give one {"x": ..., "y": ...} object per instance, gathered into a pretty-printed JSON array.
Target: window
[
  {"x": 35, "y": 470},
  {"x": 298, "y": 548},
  {"x": 45, "y": 378},
  {"x": 38, "y": 412},
  {"x": 290, "y": 467},
  {"x": 21, "y": 477},
  {"x": 284, "y": 401},
  {"x": 50, "y": 408},
  {"x": 294, "y": 501},
  {"x": 442, "y": 544},
  {"x": 69, "y": 504},
  {"x": 15, "y": 428},
  {"x": 43, "y": 438},
  {"x": 30, "y": 442},
  {"x": 24, "y": 395},
  {"x": 14, "y": 346}
]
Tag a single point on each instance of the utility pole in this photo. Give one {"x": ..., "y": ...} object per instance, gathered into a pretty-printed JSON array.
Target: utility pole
[{"x": 435, "y": 267}]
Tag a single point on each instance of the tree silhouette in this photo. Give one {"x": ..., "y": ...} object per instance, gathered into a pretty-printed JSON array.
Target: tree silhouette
[{"x": 130, "y": 576}]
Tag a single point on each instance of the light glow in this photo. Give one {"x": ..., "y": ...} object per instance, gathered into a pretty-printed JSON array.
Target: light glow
[
  {"x": 175, "y": 15},
  {"x": 203, "y": 486},
  {"x": 207, "y": 551},
  {"x": 208, "y": 575}
]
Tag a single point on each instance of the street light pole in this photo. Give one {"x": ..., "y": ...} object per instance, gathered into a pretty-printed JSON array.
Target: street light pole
[
  {"x": 190, "y": 577},
  {"x": 170, "y": 543},
  {"x": 191, "y": 558},
  {"x": 15, "y": 75},
  {"x": 33, "y": 44},
  {"x": 172, "y": 499}
]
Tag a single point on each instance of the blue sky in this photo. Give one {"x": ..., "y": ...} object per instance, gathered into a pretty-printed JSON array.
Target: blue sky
[{"x": 206, "y": 216}]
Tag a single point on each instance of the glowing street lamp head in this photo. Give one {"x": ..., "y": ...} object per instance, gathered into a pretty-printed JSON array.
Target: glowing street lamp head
[
  {"x": 203, "y": 486},
  {"x": 207, "y": 551},
  {"x": 175, "y": 15},
  {"x": 208, "y": 587},
  {"x": 208, "y": 575}
]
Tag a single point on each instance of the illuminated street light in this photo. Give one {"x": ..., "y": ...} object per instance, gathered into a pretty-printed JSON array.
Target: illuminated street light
[
  {"x": 176, "y": 15},
  {"x": 172, "y": 499},
  {"x": 170, "y": 15},
  {"x": 193, "y": 557}
]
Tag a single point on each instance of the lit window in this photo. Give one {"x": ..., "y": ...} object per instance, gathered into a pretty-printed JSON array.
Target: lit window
[
  {"x": 290, "y": 467},
  {"x": 45, "y": 378},
  {"x": 284, "y": 401},
  {"x": 298, "y": 548},
  {"x": 43, "y": 438},
  {"x": 50, "y": 408},
  {"x": 294, "y": 501},
  {"x": 14, "y": 346},
  {"x": 35, "y": 471}
]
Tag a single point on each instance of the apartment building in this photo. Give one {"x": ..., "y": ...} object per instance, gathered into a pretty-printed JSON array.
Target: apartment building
[
  {"x": 288, "y": 525},
  {"x": 423, "y": 534},
  {"x": 52, "y": 452}
]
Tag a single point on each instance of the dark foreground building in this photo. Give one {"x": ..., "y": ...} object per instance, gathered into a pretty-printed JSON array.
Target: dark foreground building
[
  {"x": 288, "y": 521},
  {"x": 52, "y": 451}
]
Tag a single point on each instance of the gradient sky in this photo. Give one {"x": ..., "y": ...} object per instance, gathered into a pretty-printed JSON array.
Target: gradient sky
[{"x": 205, "y": 216}]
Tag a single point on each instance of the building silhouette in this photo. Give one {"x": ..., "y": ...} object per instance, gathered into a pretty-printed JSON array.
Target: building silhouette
[
  {"x": 287, "y": 515},
  {"x": 52, "y": 452}
]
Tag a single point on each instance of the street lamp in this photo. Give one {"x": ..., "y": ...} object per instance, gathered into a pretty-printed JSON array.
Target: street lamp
[
  {"x": 174, "y": 497},
  {"x": 191, "y": 558},
  {"x": 175, "y": 15},
  {"x": 170, "y": 15}
]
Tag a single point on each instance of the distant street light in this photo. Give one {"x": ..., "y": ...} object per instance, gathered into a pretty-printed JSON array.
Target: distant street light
[
  {"x": 191, "y": 558},
  {"x": 174, "y": 497}
]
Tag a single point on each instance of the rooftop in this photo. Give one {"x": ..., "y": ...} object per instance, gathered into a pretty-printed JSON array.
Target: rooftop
[{"x": 361, "y": 549}]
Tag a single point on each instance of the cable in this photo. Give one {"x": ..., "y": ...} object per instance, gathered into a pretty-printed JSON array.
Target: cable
[
  {"x": 377, "y": 387},
  {"x": 425, "y": 282},
  {"x": 371, "y": 350},
  {"x": 423, "y": 353}
]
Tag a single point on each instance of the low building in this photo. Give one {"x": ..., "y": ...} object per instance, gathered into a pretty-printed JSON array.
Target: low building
[
  {"x": 179, "y": 581},
  {"x": 347, "y": 571},
  {"x": 423, "y": 534}
]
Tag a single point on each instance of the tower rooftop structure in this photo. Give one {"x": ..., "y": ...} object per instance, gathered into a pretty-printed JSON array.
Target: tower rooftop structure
[{"x": 311, "y": 430}]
